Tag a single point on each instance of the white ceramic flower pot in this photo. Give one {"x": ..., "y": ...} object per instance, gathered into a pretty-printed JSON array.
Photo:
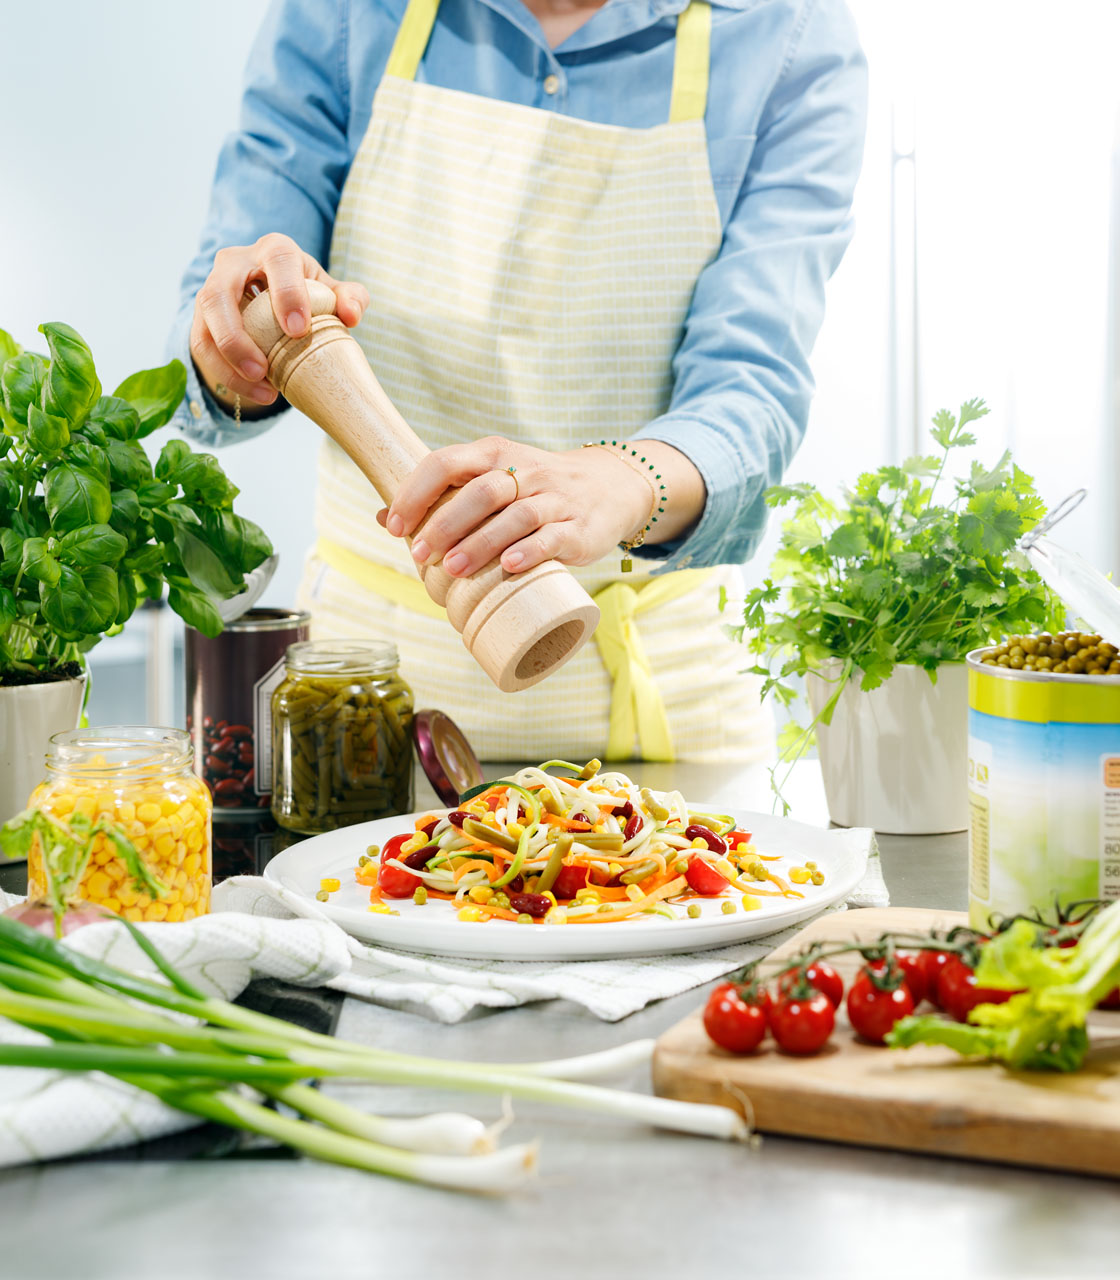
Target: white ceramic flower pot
[
  {"x": 29, "y": 715},
  {"x": 896, "y": 758}
]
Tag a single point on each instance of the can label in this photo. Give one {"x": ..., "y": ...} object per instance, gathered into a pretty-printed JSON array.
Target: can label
[
  {"x": 262, "y": 707},
  {"x": 1045, "y": 814}
]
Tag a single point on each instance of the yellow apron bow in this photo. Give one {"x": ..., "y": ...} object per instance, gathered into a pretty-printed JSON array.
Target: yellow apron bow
[{"x": 635, "y": 698}]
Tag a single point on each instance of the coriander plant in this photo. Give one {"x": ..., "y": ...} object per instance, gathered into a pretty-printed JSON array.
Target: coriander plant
[
  {"x": 87, "y": 526},
  {"x": 900, "y": 571}
]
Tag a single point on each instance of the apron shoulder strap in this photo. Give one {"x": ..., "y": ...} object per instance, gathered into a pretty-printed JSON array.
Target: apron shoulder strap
[
  {"x": 412, "y": 38},
  {"x": 690, "y": 65}
]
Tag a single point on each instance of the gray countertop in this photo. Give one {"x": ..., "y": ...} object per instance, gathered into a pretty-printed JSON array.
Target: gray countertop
[{"x": 612, "y": 1200}]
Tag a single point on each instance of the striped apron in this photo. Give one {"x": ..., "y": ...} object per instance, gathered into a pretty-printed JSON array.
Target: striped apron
[{"x": 529, "y": 276}]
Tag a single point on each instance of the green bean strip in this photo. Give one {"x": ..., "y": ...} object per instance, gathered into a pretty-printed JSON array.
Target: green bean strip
[{"x": 560, "y": 850}]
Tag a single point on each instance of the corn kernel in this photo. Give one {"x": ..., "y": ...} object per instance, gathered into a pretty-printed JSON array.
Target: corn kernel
[
  {"x": 98, "y": 886},
  {"x": 587, "y": 895},
  {"x": 128, "y": 895},
  {"x": 85, "y": 805},
  {"x": 192, "y": 864},
  {"x": 165, "y": 846},
  {"x": 189, "y": 893},
  {"x": 480, "y": 893},
  {"x": 111, "y": 904},
  {"x": 634, "y": 893},
  {"x": 469, "y": 914},
  {"x": 725, "y": 868},
  {"x": 126, "y": 811},
  {"x": 699, "y": 843},
  {"x": 189, "y": 913},
  {"x": 133, "y": 913},
  {"x": 556, "y": 915},
  {"x": 101, "y": 856},
  {"x": 194, "y": 841},
  {"x": 330, "y": 884},
  {"x": 615, "y": 868},
  {"x": 168, "y": 805},
  {"x": 173, "y": 896},
  {"x": 799, "y": 875},
  {"x": 175, "y": 912},
  {"x": 175, "y": 824},
  {"x": 750, "y": 903},
  {"x": 157, "y": 911},
  {"x": 147, "y": 813},
  {"x": 62, "y": 805},
  {"x": 419, "y": 895},
  {"x": 490, "y": 819},
  {"x": 515, "y": 829}
]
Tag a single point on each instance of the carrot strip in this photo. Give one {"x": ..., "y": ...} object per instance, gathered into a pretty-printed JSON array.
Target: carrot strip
[
  {"x": 375, "y": 893},
  {"x": 476, "y": 864},
  {"x": 501, "y": 913},
  {"x": 666, "y": 891},
  {"x": 787, "y": 890},
  {"x": 366, "y": 875},
  {"x": 569, "y": 824}
]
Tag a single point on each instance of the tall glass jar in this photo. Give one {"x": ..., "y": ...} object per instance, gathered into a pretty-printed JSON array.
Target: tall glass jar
[
  {"x": 342, "y": 744},
  {"x": 138, "y": 782}
]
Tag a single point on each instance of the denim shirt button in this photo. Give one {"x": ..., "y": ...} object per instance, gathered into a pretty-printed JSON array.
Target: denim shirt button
[
  {"x": 196, "y": 409},
  {"x": 551, "y": 84}
]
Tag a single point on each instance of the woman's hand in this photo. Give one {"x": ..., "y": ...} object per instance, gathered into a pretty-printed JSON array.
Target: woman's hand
[
  {"x": 574, "y": 507},
  {"x": 227, "y": 359}
]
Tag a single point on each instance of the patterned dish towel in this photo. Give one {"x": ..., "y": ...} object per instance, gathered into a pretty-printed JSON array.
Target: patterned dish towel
[{"x": 448, "y": 989}]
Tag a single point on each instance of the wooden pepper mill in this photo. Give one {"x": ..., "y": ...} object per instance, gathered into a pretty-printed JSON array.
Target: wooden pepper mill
[{"x": 519, "y": 627}]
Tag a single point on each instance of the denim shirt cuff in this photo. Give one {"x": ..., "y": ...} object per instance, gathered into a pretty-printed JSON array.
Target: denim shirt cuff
[
  {"x": 200, "y": 416},
  {"x": 719, "y": 459}
]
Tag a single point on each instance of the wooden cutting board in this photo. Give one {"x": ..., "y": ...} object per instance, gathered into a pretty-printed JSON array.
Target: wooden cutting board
[{"x": 922, "y": 1099}]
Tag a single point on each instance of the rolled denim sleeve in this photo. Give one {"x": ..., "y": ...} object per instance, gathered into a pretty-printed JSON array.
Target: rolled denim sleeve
[
  {"x": 282, "y": 170},
  {"x": 742, "y": 383}
]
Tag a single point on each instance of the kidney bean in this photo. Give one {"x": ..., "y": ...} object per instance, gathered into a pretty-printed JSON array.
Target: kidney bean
[
  {"x": 216, "y": 765},
  {"x": 208, "y": 722},
  {"x": 695, "y": 831},
  {"x": 248, "y": 778},
  {"x": 632, "y": 827},
  {"x": 223, "y": 747},
  {"x": 428, "y": 826},
  {"x": 457, "y": 817},
  {"x": 421, "y": 857},
  {"x": 239, "y": 731},
  {"x": 626, "y": 812},
  {"x": 221, "y": 725},
  {"x": 581, "y": 817},
  {"x": 531, "y": 904},
  {"x": 227, "y": 802},
  {"x": 229, "y": 787},
  {"x": 515, "y": 885}
]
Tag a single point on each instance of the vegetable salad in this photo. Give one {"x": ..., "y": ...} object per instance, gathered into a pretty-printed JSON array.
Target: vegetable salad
[{"x": 561, "y": 844}]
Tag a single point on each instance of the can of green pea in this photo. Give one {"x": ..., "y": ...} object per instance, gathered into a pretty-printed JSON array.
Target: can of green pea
[{"x": 1044, "y": 787}]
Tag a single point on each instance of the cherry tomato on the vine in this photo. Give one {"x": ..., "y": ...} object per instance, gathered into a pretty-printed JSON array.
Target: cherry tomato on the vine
[
  {"x": 872, "y": 1011},
  {"x": 819, "y": 974},
  {"x": 910, "y": 962},
  {"x": 734, "y": 1020},
  {"x": 394, "y": 882},
  {"x": 931, "y": 963},
  {"x": 802, "y": 1026},
  {"x": 957, "y": 992},
  {"x": 704, "y": 879}
]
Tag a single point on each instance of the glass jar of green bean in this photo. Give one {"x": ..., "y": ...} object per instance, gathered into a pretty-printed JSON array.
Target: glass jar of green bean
[{"x": 341, "y": 732}]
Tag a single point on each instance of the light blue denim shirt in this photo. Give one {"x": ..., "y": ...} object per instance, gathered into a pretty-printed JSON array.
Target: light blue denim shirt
[{"x": 785, "y": 126}]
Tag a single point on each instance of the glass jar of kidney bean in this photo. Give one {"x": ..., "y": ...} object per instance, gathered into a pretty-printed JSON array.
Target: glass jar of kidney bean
[{"x": 230, "y": 680}]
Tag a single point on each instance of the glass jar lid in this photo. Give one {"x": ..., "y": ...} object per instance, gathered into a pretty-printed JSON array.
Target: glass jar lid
[
  {"x": 341, "y": 657},
  {"x": 119, "y": 751}
]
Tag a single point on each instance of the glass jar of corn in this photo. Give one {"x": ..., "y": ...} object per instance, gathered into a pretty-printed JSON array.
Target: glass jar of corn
[{"x": 138, "y": 783}]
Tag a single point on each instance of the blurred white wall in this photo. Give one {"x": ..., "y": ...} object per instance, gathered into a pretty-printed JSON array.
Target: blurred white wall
[{"x": 115, "y": 109}]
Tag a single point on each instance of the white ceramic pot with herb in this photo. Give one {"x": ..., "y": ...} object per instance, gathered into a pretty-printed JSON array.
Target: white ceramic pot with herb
[
  {"x": 89, "y": 528},
  {"x": 875, "y": 600}
]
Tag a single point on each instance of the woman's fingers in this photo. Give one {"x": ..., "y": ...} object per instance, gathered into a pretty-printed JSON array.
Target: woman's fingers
[
  {"x": 448, "y": 468},
  {"x": 351, "y": 299},
  {"x": 505, "y": 529},
  {"x": 558, "y": 541},
  {"x": 222, "y": 379},
  {"x": 455, "y": 517}
]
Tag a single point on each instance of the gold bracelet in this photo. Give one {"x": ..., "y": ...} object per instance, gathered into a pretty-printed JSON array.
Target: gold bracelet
[{"x": 657, "y": 487}]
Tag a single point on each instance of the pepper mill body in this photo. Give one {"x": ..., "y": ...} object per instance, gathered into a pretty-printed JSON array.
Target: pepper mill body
[{"x": 519, "y": 627}]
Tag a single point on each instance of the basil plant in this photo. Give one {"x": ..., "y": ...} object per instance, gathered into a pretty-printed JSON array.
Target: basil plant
[{"x": 88, "y": 527}]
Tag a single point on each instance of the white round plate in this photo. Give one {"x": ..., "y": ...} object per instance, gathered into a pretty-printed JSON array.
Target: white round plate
[{"x": 435, "y": 929}]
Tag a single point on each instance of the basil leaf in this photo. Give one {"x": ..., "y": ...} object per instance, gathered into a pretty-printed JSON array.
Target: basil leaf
[
  {"x": 242, "y": 544},
  {"x": 125, "y": 511},
  {"x": 9, "y": 347},
  {"x": 71, "y": 387},
  {"x": 46, "y": 433},
  {"x": 196, "y": 609},
  {"x": 66, "y": 605},
  {"x": 128, "y": 463},
  {"x": 75, "y": 498},
  {"x": 126, "y": 596},
  {"x": 12, "y": 545},
  {"x": 202, "y": 565},
  {"x": 199, "y": 474},
  {"x": 92, "y": 431},
  {"x": 146, "y": 559},
  {"x": 155, "y": 394},
  {"x": 117, "y": 417},
  {"x": 10, "y": 491},
  {"x": 154, "y": 493},
  {"x": 9, "y": 611},
  {"x": 100, "y": 583},
  {"x": 11, "y": 426},
  {"x": 89, "y": 457},
  {"x": 95, "y": 544},
  {"x": 38, "y": 563},
  {"x": 22, "y": 381}
]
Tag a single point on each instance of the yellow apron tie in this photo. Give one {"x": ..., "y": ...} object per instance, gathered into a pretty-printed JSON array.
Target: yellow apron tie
[
  {"x": 635, "y": 697},
  {"x": 689, "y": 97}
]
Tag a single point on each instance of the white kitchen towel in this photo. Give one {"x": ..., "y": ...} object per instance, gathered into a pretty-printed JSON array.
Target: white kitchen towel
[
  {"x": 448, "y": 989},
  {"x": 46, "y": 1114}
]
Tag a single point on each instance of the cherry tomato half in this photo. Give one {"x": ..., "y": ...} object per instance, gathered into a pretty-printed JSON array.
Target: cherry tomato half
[
  {"x": 735, "y": 1024},
  {"x": 957, "y": 992},
  {"x": 394, "y": 882},
  {"x": 819, "y": 974},
  {"x": 802, "y": 1026},
  {"x": 569, "y": 881},
  {"x": 704, "y": 879},
  {"x": 737, "y": 837},
  {"x": 873, "y": 1011}
]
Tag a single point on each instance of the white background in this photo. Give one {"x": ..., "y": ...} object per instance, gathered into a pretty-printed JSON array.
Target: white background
[{"x": 114, "y": 112}]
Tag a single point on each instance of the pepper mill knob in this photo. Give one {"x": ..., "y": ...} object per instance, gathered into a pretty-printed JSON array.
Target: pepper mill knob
[{"x": 519, "y": 627}]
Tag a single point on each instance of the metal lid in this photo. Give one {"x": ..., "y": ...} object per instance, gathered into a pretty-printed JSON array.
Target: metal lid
[
  {"x": 445, "y": 755},
  {"x": 1088, "y": 594}
]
